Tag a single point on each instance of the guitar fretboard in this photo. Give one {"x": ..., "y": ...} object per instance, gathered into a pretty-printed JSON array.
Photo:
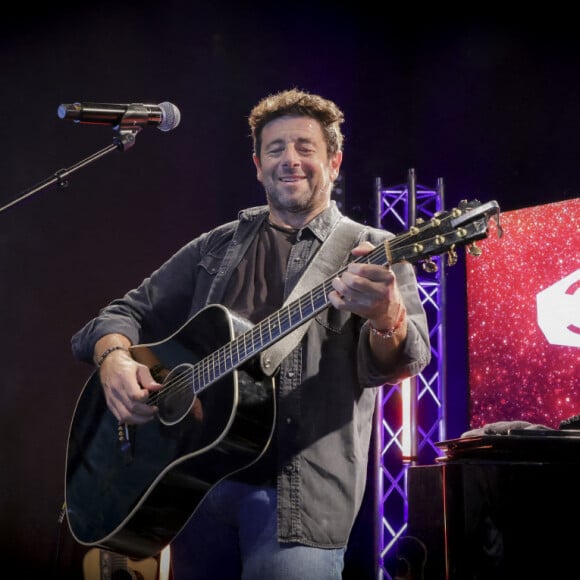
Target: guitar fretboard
[
  {"x": 274, "y": 327},
  {"x": 444, "y": 232}
]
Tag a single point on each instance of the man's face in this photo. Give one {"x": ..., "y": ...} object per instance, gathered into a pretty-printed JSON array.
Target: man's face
[{"x": 294, "y": 167}]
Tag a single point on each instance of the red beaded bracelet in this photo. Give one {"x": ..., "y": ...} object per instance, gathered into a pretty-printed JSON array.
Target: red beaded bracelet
[{"x": 390, "y": 332}]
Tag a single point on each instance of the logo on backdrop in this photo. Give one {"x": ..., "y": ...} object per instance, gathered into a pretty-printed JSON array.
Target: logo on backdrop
[{"x": 559, "y": 311}]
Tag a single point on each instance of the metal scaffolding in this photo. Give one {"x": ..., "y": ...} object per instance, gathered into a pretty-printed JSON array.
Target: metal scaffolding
[{"x": 410, "y": 417}]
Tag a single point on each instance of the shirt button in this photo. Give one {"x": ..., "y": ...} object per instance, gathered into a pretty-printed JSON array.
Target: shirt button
[
  {"x": 288, "y": 420},
  {"x": 290, "y": 374},
  {"x": 298, "y": 259},
  {"x": 289, "y": 469}
]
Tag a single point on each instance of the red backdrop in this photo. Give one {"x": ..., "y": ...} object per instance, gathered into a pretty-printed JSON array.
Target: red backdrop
[{"x": 523, "y": 297}]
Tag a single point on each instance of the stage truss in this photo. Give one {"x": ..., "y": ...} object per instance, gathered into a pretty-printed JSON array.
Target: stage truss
[{"x": 410, "y": 417}]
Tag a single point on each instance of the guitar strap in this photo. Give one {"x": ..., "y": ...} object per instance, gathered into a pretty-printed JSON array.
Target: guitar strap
[{"x": 328, "y": 260}]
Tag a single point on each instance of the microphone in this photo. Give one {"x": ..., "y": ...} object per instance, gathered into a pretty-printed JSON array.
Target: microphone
[{"x": 165, "y": 116}]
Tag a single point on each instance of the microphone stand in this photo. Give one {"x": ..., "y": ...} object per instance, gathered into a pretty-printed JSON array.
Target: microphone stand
[{"x": 124, "y": 139}]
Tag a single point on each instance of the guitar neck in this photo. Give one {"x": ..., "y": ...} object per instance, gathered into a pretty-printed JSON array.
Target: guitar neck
[
  {"x": 458, "y": 227},
  {"x": 274, "y": 327}
]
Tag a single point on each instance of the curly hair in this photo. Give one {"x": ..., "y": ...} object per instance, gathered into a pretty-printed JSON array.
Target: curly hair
[{"x": 299, "y": 103}]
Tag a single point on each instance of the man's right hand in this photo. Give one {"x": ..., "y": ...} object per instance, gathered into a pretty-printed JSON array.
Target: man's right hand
[{"x": 126, "y": 384}]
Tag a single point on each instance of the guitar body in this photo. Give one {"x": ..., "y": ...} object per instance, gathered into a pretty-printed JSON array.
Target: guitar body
[
  {"x": 132, "y": 489},
  {"x": 103, "y": 565}
]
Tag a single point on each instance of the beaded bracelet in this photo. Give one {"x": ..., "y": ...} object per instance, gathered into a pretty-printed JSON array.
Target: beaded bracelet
[
  {"x": 390, "y": 332},
  {"x": 107, "y": 352}
]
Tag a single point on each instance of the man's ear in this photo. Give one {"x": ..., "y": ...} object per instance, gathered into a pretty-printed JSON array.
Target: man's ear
[
  {"x": 335, "y": 163},
  {"x": 258, "y": 166}
]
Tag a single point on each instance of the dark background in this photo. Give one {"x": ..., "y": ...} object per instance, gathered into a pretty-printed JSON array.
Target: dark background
[{"x": 487, "y": 103}]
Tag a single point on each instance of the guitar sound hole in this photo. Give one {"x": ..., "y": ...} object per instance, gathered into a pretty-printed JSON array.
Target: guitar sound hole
[{"x": 177, "y": 396}]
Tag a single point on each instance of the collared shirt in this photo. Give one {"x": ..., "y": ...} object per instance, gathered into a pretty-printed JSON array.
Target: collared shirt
[{"x": 325, "y": 388}]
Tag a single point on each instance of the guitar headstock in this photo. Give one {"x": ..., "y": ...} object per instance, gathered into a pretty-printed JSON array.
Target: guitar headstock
[{"x": 444, "y": 233}]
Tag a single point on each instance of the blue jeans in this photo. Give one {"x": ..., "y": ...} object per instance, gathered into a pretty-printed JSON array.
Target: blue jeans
[{"x": 232, "y": 536}]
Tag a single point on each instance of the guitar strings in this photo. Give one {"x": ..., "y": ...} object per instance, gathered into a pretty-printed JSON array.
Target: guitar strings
[{"x": 230, "y": 356}]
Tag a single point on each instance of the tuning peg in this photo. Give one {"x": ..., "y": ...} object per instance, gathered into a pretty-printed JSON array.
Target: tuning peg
[
  {"x": 474, "y": 249},
  {"x": 451, "y": 257},
  {"x": 429, "y": 266}
]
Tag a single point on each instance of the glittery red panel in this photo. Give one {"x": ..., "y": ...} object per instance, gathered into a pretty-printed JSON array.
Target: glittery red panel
[{"x": 523, "y": 311}]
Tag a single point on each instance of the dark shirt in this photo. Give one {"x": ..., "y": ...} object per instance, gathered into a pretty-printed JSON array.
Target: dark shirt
[{"x": 326, "y": 387}]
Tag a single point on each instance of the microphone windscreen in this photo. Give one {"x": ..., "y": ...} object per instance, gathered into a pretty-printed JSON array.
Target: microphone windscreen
[{"x": 171, "y": 116}]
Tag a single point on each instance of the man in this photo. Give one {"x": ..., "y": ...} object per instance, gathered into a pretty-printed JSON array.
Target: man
[{"x": 287, "y": 515}]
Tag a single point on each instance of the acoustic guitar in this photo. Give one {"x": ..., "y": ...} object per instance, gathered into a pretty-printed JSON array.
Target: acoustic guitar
[
  {"x": 104, "y": 565},
  {"x": 131, "y": 489}
]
